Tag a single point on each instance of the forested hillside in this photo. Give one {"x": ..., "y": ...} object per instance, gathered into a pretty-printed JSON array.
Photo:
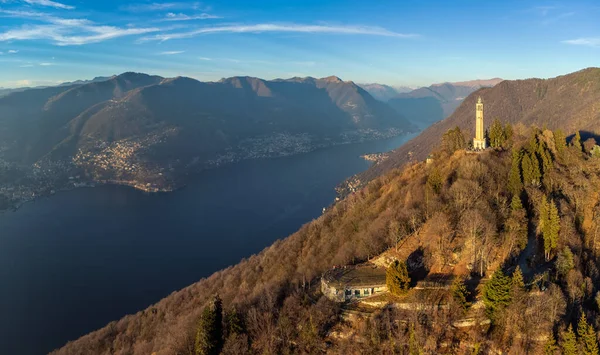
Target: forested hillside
[
  {"x": 516, "y": 225},
  {"x": 570, "y": 102}
]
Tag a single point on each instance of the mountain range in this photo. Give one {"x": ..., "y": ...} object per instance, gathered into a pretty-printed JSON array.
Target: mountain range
[
  {"x": 426, "y": 105},
  {"x": 149, "y": 131},
  {"x": 6, "y": 91}
]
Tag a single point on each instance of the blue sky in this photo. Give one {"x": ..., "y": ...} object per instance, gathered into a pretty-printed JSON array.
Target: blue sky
[{"x": 397, "y": 42}]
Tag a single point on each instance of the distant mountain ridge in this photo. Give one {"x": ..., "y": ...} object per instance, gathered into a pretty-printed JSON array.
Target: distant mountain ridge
[
  {"x": 384, "y": 92},
  {"x": 426, "y": 105},
  {"x": 477, "y": 83},
  {"x": 148, "y": 131},
  {"x": 6, "y": 91}
]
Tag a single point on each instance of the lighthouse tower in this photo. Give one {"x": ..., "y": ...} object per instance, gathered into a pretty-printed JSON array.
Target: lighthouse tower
[{"x": 479, "y": 140}]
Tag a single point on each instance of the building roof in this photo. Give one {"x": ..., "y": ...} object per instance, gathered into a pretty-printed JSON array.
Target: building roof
[{"x": 355, "y": 276}]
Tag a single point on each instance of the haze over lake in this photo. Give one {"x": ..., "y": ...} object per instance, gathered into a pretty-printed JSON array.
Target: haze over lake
[{"x": 73, "y": 262}]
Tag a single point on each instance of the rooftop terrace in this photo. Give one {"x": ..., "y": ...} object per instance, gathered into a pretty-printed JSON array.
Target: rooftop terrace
[{"x": 361, "y": 275}]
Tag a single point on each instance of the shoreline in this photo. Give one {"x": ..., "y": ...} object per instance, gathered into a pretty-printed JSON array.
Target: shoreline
[{"x": 143, "y": 187}]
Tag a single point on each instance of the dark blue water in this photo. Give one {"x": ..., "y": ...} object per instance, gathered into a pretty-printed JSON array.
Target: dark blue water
[{"x": 73, "y": 262}]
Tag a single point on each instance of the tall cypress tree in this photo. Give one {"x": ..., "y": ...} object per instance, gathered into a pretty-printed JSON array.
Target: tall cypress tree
[
  {"x": 209, "y": 335},
  {"x": 516, "y": 204},
  {"x": 560, "y": 140},
  {"x": 576, "y": 142},
  {"x": 550, "y": 224},
  {"x": 496, "y": 134},
  {"x": 587, "y": 337},
  {"x": 515, "y": 182},
  {"x": 531, "y": 169},
  {"x": 569, "y": 342},
  {"x": 496, "y": 295},
  {"x": 517, "y": 283},
  {"x": 550, "y": 348},
  {"x": 460, "y": 293},
  {"x": 508, "y": 133}
]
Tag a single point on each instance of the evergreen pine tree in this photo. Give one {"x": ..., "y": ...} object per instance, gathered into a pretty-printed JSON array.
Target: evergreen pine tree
[
  {"x": 516, "y": 204},
  {"x": 536, "y": 175},
  {"x": 235, "y": 324},
  {"x": 515, "y": 183},
  {"x": 496, "y": 294},
  {"x": 569, "y": 342},
  {"x": 587, "y": 337},
  {"x": 550, "y": 223},
  {"x": 434, "y": 181},
  {"x": 209, "y": 336},
  {"x": 397, "y": 279},
  {"x": 560, "y": 140},
  {"x": 517, "y": 283},
  {"x": 550, "y": 348},
  {"x": 531, "y": 169},
  {"x": 460, "y": 293},
  {"x": 496, "y": 134},
  {"x": 576, "y": 142},
  {"x": 508, "y": 133}
]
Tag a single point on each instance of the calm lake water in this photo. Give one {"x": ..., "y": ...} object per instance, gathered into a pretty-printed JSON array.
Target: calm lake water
[{"x": 73, "y": 262}]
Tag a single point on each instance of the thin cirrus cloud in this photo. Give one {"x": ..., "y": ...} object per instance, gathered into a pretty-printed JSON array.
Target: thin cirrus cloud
[
  {"x": 64, "y": 32},
  {"x": 585, "y": 41},
  {"x": 183, "y": 17},
  {"x": 296, "y": 28},
  {"x": 162, "y": 6},
  {"x": 171, "y": 52},
  {"x": 49, "y": 3}
]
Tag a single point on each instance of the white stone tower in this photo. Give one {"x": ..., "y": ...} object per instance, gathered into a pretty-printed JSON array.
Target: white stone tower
[{"x": 479, "y": 140}]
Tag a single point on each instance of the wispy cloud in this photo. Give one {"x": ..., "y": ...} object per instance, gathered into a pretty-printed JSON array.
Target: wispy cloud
[
  {"x": 46, "y": 64},
  {"x": 183, "y": 17},
  {"x": 204, "y": 58},
  {"x": 544, "y": 10},
  {"x": 549, "y": 14},
  {"x": 296, "y": 28},
  {"x": 63, "y": 31},
  {"x": 551, "y": 19},
  {"x": 171, "y": 52},
  {"x": 13, "y": 51},
  {"x": 162, "y": 6},
  {"x": 49, "y": 3},
  {"x": 584, "y": 41}
]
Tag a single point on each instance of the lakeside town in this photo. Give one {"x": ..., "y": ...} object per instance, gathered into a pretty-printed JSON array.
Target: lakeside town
[{"x": 125, "y": 163}]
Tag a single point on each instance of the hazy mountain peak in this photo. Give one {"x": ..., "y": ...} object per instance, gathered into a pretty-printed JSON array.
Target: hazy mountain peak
[
  {"x": 477, "y": 83},
  {"x": 332, "y": 79}
]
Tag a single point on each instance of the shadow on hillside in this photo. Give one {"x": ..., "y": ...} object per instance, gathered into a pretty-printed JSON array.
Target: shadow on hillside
[
  {"x": 417, "y": 269},
  {"x": 585, "y": 135}
]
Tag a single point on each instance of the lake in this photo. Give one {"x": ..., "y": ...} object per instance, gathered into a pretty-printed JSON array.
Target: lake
[{"x": 73, "y": 262}]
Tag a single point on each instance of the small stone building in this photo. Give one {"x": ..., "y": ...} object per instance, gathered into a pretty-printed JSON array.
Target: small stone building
[{"x": 347, "y": 283}]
